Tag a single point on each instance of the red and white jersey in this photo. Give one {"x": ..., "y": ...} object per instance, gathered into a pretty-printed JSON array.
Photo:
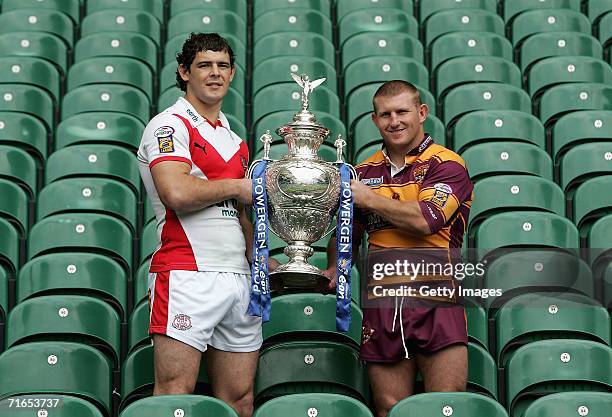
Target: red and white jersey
[{"x": 210, "y": 239}]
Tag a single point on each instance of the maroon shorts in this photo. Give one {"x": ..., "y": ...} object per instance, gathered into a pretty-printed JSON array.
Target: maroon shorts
[{"x": 426, "y": 330}]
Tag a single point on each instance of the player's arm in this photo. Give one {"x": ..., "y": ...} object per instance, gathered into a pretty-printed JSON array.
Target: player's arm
[
  {"x": 332, "y": 254},
  {"x": 247, "y": 231}
]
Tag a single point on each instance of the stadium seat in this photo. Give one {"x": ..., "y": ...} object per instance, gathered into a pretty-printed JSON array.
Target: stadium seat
[
  {"x": 107, "y": 97},
  {"x": 14, "y": 205},
  {"x": 455, "y": 44},
  {"x": 468, "y": 69},
  {"x": 179, "y": 405},
  {"x": 233, "y": 103},
  {"x": 308, "y": 404},
  {"x": 376, "y": 20},
  {"x": 566, "y": 404},
  {"x": 428, "y": 8},
  {"x": 344, "y": 7},
  {"x": 206, "y": 20},
  {"x": 582, "y": 162},
  {"x": 94, "y": 161},
  {"x": 26, "y": 132},
  {"x": 38, "y": 20},
  {"x": 384, "y": 68},
  {"x": 457, "y": 404},
  {"x": 287, "y": 96},
  {"x": 237, "y": 125},
  {"x": 556, "y": 365},
  {"x": 309, "y": 367},
  {"x": 138, "y": 327},
  {"x": 462, "y": 20},
  {"x": 97, "y": 233},
  {"x": 57, "y": 368},
  {"x": 155, "y": 7},
  {"x": 71, "y": 406},
  {"x": 30, "y": 70},
  {"x": 115, "y": 70},
  {"x": 91, "y": 195},
  {"x": 35, "y": 44},
  {"x": 71, "y": 8},
  {"x": 548, "y": 315},
  {"x": 148, "y": 241},
  {"x": 547, "y": 20},
  {"x": 591, "y": 201},
  {"x": 18, "y": 166},
  {"x": 605, "y": 32},
  {"x": 122, "y": 20},
  {"x": 548, "y": 44},
  {"x": 607, "y": 286},
  {"x": 512, "y": 8},
  {"x": 295, "y": 19},
  {"x": 10, "y": 247},
  {"x": 368, "y": 44},
  {"x": 110, "y": 128},
  {"x": 596, "y": 9},
  {"x": 178, "y": 6},
  {"x": 74, "y": 273},
  {"x": 476, "y": 317},
  {"x": 28, "y": 99},
  {"x": 482, "y": 375},
  {"x": 74, "y": 318},
  {"x": 126, "y": 44},
  {"x": 298, "y": 44},
  {"x": 167, "y": 78},
  {"x": 141, "y": 284},
  {"x": 483, "y": 96},
  {"x": 497, "y": 125},
  {"x": 262, "y": 6},
  {"x": 498, "y": 158},
  {"x": 564, "y": 98},
  {"x": 579, "y": 127},
  {"x": 279, "y": 69},
  {"x": 174, "y": 46}
]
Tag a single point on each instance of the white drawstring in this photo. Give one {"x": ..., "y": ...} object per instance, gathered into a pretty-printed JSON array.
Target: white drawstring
[
  {"x": 402, "y": 327},
  {"x": 394, "y": 316}
]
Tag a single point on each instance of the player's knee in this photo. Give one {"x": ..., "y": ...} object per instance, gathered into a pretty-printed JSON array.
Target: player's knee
[
  {"x": 174, "y": 386},
  {"x": 384, "y": 404},
  {"x": 243, "y": 404}
]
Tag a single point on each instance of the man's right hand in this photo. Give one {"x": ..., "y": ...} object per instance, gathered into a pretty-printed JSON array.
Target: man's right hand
[
  {"x": 244, "y": 191},
  {"x": 331, "y": 274}
]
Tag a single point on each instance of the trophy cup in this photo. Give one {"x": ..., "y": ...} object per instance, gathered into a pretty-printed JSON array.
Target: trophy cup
[{"x": 303, "y": 193}]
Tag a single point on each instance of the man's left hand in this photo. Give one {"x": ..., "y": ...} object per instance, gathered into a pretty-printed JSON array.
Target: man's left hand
[
  {"x": 273, "y": 264},
  {"x": 362, "y": 194}
]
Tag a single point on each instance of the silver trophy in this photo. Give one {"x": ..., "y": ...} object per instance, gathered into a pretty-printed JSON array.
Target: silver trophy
[{"x": 303, "y": 193}]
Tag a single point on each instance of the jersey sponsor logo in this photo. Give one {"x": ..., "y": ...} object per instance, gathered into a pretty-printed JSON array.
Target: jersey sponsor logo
[
  {"x": 372, "y": 181},
  {"x": 181, "y": 322},
  {"x": 165, "y": 139},
  {"x": 424, "y": 144},
  {"x": 193, "y": 116},
  {"x": 419, "y": 173},
  {"x": 243, "y": 161},
  {"x": 441, "y": 193}
]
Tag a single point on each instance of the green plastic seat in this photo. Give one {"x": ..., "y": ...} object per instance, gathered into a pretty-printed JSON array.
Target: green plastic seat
[
  {"x": 155, "y": 7},
  {"x": 547, "y": 20},
  {"x": 28, "y": 99},
  {"x": 71, "y": 8},
  {"x": 565, "y": 404},
  {"x": 607, "y": 286},
  {"x": 122, "y": 20},
  {"x": 106, "y": 70},
  {"x": 178, "y": 6},
  {"x": 497, "y": 125},
  {"x": 377, "y": 20},
  {"x": 460, "y": 404},
  {"x": 344, "y": 7},
  {"x": 564, "y": 98},
  {"x": 141, "y": 284},
  {"x": 14, "y": 205},
  {"x": 484, "y": 96},
  {"x": 605, "y": 32},
  {"x": 207, "y": 20},
  {"x": 30, "y": 70},
  {"x": 287, "y": 96},
  {"x": 578, "y": 127},
  {"x": 455, "y": 44},
  {"x": 513, "y": 8},
  {"x": 76, "y": 318},
  {"x": 167, "y": 78},
  {"x": 126, "y": 44},
  {"x": 476, "y": 317},
  {"x": 324, "y": 403},
  {"x": 110, "y": 128},
  {"x": 548, "y": 44},
  {"x": 557, "y": 365},
  {"x": 233, "y": 103},
  {"x": 18, "y": 166},
  {"x": 278, "y": 69},
  {"x": 467, "y": 69},
  {"x": 4, "y": 277},
  {"x": 26, "y": 132},
  {"x": 38, "y": 20},
  {"x": 107, "y": 97},
  {"x": 96, "y": 161},
  {"x": 30, "y": 370},
  {"x": 497, "y": 158},
  {"x": 596, "y": 9},
  {"x": 10, "y": 247},
  {"x": 462, "y": 20},
  {"x": 299, "y": 44},
  {"x": 367, "y": 44},
  {"x": 71, "y": 406},
  {"x": 138, "y": 326},
  {"x": 148, "y": 241},
  {"x": 92, "y": 195},
  {"x": 428, "y": 8},
  {"x": 294, "y": 19},
  {"x": 174, "y": 46},
  {"x": 384, "y": 68},
  {"x": 262, "y": 6},
  {"x": 97, "y": 233},
  {"x": 309, "y": 367},
  {"x": 482, "y": 371},
  {"x": 582, "y": 162},
  {"x": 35, "y": 44},
  {"x": 548, "y": 315},
  {"x": 190, "y": 405},
  {"x": 591, "y": 201}
]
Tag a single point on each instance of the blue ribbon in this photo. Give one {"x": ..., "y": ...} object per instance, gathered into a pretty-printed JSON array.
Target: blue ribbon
[
  {"x": 259, "y": 304},
  {"x": 344, "y": 250}
]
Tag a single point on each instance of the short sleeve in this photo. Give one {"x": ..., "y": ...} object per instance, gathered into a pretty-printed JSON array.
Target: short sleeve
[
  {"x": 445, "y": 187},
  {"x": 165, "y": 138}
]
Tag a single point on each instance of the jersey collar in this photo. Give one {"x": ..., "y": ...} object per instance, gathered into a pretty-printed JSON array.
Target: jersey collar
[
  {"x": 416, "y": 151},
  {"x": 186, "y": 110}
]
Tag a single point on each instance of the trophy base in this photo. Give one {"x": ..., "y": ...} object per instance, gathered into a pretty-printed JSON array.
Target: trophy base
[{"x": 291, "y": 278}]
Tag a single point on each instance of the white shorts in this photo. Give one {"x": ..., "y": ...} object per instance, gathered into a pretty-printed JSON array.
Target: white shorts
[{"x": 204, "y": 308}]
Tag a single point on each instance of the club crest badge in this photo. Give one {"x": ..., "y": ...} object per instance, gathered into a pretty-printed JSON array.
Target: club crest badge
[
  {"x": 181, "y": 322},
  {"x": 420, "y": 172}
]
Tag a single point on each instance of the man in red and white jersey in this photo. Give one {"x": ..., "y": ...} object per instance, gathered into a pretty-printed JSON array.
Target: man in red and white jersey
[{"x": 193, "y": 167}]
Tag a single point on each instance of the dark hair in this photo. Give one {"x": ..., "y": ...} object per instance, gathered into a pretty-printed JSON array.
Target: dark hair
[
  {"x": 395, "y": 87},
  {"x": 199, "y": 42}
]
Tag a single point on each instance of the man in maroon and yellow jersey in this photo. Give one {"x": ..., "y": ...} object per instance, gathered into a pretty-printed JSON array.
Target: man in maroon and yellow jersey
[{"x": 412, "y": 193}]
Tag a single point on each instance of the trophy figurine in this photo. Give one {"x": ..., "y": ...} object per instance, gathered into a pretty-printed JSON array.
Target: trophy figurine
[{"x": 303, "y": 193}]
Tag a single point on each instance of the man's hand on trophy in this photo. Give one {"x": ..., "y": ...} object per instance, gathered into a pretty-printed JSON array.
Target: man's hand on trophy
[
  {"x": 330, "y": 273},
  {"x": 273, "y": 264},
  {"x": 362, "y": 194},
  {"x": 244, "y": 191}
]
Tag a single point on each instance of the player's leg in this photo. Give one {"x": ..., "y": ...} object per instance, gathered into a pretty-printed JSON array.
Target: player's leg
[
  {"x": 444, "y": 370},
  {"x": 391, "y": 383},
  {"x": 176, "y": 366},
  {"x": 232, "y": 376}
]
